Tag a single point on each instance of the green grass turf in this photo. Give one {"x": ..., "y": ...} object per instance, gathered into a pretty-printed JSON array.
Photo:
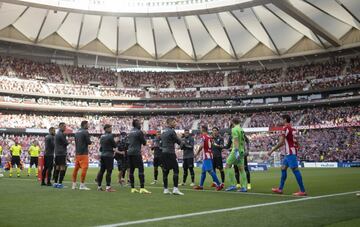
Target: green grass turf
[{"x": 25, "y": 203}]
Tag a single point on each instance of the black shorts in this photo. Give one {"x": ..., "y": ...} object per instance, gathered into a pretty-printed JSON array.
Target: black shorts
[
  {"x": 188, "y": 163},
  {"x": 34, "y": 161},
  {"x": 49, "y": 161},
  {"x": 157, "y": 161},
  {"x": 169, "y": 161},
  {"x": 135, "y": 161},
  {"x": 218, "y": 163},
  {"x": 107, "y": 163},
  {"x": 15, "y": 160},
  {"x": 60, "y": 160},
  {"x": 122, "y": 163}
]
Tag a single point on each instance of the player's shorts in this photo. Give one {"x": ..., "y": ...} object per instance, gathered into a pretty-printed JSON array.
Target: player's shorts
[
  {"x": 169, "y": 161},
  {"x": 218, "y": 163},
  {"x": 107, "y": 163},
  {"x": 290, "y": 161},
  {"x": 188, "y": 163},
  {"x": 122, "y": 163},
  {"x": 34, "y": 161},
  {"x": 207, "y": 165},
  {"x": 60, "y": 160},
  {"x": 82, "y": 161},
  {"x": 15, "y": 160},
  {"x": 135, "y": 161},
  {"x": 157, "y": 161},
  {"x": 231, "y": 160},
  {"x": 49, "y": 161}
]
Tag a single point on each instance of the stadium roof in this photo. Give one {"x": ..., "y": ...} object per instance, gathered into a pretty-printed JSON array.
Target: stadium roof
[{"x": 184, "y": 31}]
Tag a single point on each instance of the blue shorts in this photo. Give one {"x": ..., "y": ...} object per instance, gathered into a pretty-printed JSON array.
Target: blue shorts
[
  {"x": 290, "y": 161},
  {"x": 207, "y": 165}
]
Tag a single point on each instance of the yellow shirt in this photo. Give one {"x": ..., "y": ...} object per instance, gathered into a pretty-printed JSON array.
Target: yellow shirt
[
  {"x": 1, "y": 150},
  {"x": 15, "y": 150},
  {"x": 34, "y": 151}
]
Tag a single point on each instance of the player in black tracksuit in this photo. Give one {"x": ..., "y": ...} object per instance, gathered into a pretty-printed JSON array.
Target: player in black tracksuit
[
  {"x": 188, "y": 157},
  {"x": 156, "y": 147},
  {"x": 169, "y": 159},
  {"x": 48, "y": 156},
  {"x": 107, "y": 145},
  {"x": 122, "y": 159},
  {"x": 217, "y": 147},
  {"x": 136, "y": 139}
]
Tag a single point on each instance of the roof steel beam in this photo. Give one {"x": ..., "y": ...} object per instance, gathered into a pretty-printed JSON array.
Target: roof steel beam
[{"x": 288, "y": 8}]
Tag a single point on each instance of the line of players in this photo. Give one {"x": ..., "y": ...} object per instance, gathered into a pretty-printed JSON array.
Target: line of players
[{"x": 128, "y": 155}]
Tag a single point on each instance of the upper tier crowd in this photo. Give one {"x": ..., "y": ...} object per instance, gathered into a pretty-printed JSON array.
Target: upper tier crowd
[
  {"x": 39, "y": 77},
  {"x": 304, "y": 117}
]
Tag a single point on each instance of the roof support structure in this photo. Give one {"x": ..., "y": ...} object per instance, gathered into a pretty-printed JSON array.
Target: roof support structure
[
  {"x": 154, "y": 38},
  {"x": 191, "y": 40},
  {"x": 267, "y": 32},
  {"x": 347, "y": 10},
  {"x": 171, "y": 31},
  {"x": 228, "y": 37},
  {"x": 41, "y": 26},
  {"x": 288, "y": 8},
  {"x": 117, "y": 35},
  {"x": 81, "y": 28}
]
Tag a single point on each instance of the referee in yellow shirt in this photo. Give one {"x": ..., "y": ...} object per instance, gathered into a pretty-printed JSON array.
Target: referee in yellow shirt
[
  {"x": 15, "y": 151},
  {"x": 34, "y": 152}
]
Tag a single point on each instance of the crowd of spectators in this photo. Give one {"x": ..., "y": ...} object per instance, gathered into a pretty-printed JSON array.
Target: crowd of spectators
[
  {"x": 173, "y": 94},
  {"x": 84, "y": 75},
  {"x": 29, "y": 76}
]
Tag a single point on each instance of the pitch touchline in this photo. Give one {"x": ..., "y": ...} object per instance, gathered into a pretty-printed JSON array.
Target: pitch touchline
[
  {"x": 222, "y": 210},
  {"x": 186, "y": 189}
]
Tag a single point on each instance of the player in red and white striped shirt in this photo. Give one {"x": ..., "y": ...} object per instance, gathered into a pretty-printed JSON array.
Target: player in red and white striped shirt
[
  {"x": 290, "y": 157},
  {"x": 207, "y": 160}
]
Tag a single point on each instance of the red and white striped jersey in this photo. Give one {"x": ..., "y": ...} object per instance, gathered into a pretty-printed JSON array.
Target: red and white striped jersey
[
  {"x": 290, "y": 142},
  {"x": 207, "y": 152}
]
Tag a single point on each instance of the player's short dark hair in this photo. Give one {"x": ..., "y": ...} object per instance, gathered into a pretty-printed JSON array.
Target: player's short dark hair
[
  {"x": 204, "y": 128},
  {"x": 61, "y": 124},
  {"x": 106, "y": 126},
  {"x": 187, "y": 130},
  {"x": 286, "y": 117},
  {"x": 134, "y": 122},
  {"x": 216, "y": 128},
  {"x": 51, "y": 128},
  {"x": 123, "y": 133},
  {"x": 170, "y": 119},
  {"x": 83, "y": 123},
  {"x": 235, "y": 121}
]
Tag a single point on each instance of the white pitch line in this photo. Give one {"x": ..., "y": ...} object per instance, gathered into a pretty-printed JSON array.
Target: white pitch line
[{"x": 222, "y": 210}]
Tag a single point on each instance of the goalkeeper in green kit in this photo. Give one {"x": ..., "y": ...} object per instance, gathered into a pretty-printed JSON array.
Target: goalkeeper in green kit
[{"x": 236, "y": 157}]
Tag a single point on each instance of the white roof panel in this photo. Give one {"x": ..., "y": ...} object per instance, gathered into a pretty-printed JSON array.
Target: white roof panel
[
  {"x": 30, "y": 22},
  {"x": 163, "y": 37},
  {"x": 107, "y": 32}
]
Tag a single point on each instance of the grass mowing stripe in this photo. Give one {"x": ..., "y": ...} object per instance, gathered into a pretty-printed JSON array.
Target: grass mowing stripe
[{"x": 223, "y": 210}]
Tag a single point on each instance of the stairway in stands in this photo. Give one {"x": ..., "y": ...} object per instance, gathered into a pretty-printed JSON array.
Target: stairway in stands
[{"x": 66, "y": 75}]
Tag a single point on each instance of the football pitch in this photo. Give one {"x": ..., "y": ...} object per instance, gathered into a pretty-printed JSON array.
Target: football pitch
[{"x": 331, "y": 202}]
